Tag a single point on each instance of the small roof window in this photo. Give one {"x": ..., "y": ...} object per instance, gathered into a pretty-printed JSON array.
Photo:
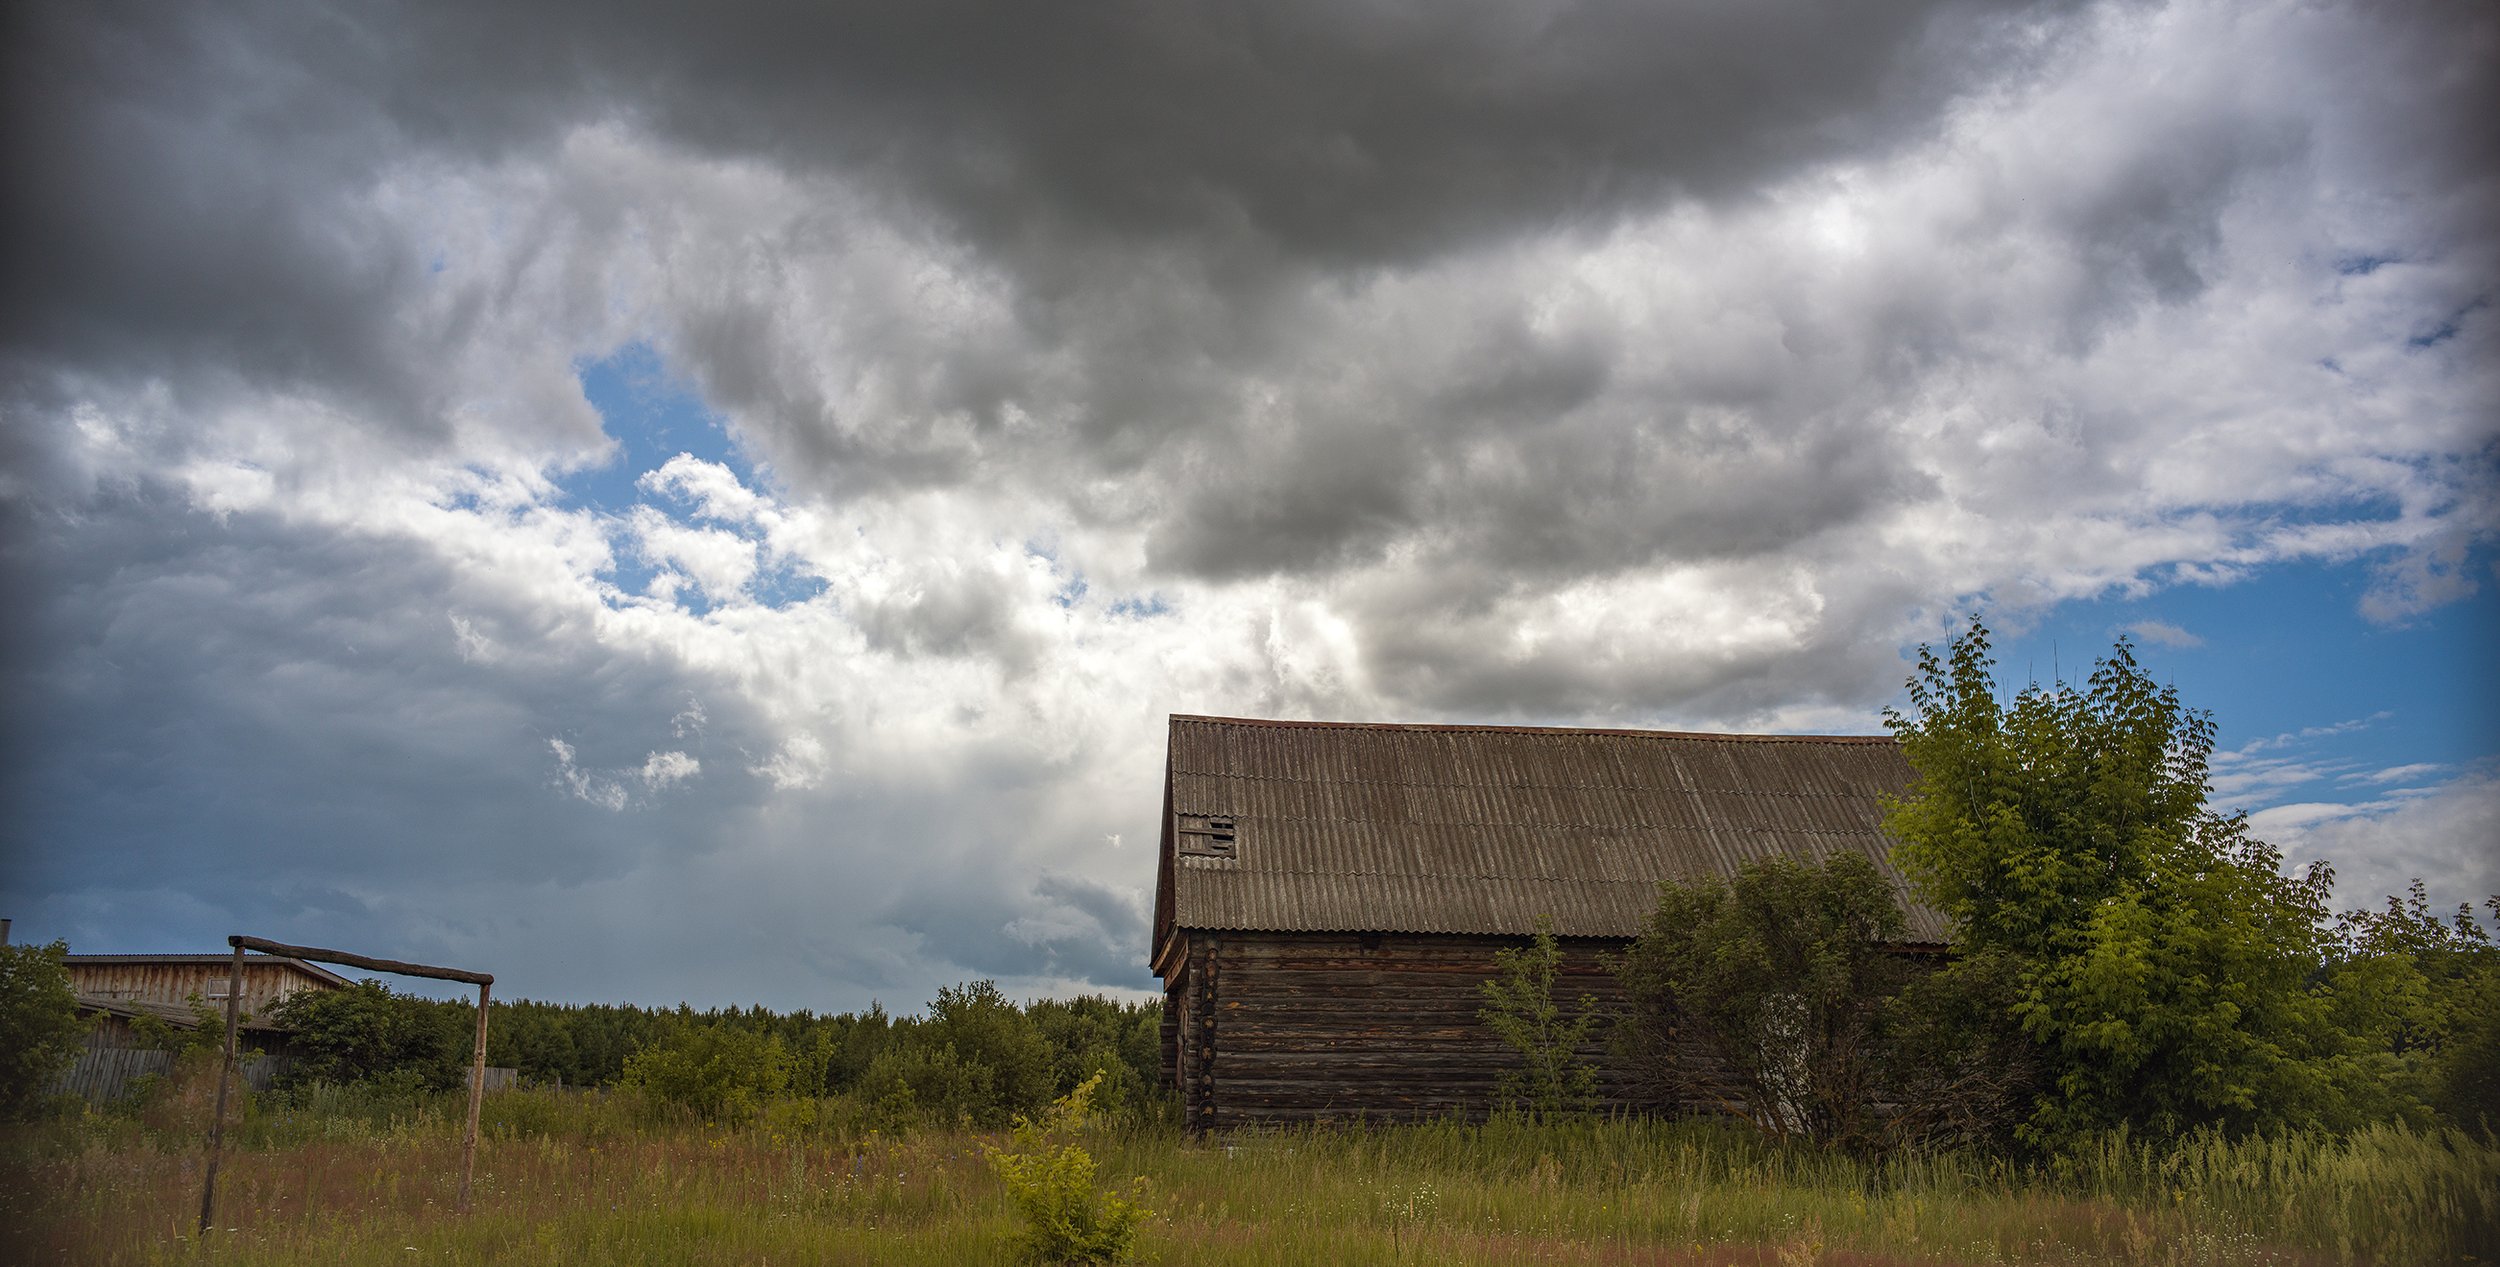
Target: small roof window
[{"x": 1204, "y": 835}]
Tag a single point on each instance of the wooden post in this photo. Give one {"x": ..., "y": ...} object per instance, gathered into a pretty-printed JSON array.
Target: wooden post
[
  {"x": 225, "y": 1075},
  {"x": 477, "y": 1095},
  {"x": 316, "y": 954}
]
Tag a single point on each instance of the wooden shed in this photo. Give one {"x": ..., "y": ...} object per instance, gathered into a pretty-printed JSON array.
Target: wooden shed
[
  {"x": 1329, "y": 896},
  {"x": 173, "y": 979},
  {"x": 116, "y": 991}
]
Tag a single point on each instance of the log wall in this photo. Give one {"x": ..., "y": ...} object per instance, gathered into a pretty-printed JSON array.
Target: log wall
[{"x": 1295, "y": 1027}]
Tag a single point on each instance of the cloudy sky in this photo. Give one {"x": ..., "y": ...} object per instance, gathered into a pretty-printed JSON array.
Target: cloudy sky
[{"x": 674, "y": 502}]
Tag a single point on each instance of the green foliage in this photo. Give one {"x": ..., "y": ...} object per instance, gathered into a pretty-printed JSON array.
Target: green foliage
[
  {"x": 976, "y": 1060},
  {"x": 979, "y": 1060},
  {"x": 835, "y": 1053},
  {"x": 1050, "y": 1179},
  {"x": 1122, "y": 1043},
  {"x": 719, "y": 1073},
  {"x": 1552, "y": 1078},
  {"x": 2160, "y": 968},
  {"x": 1768, "y": 994},
  {"x": 40, "y": 1029},
  {"x": 913, "y": 1084},
  {"x": 2422, "y": 994},
  {"x": 990, "y": 1032},
  {"x": 206, "y": 1034},
  {"x": 368, "y": 1031}
]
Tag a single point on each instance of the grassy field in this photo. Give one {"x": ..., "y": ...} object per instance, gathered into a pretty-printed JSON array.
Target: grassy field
[{"x": 589, "y": 1180}]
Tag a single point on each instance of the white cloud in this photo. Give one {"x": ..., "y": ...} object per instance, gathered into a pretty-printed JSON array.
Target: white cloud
[
  {"x": 2162, "y": 633},
  {"x": 663, "y": 768},
  {"x": 2444, "y": 834},
  {"x": 605, "y": 793}
]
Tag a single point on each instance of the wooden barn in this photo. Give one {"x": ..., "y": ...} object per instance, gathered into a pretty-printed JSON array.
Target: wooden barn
[{"x": 1330, "y": 896}]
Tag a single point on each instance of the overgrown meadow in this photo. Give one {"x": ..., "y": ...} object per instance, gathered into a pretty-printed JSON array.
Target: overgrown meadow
[{"x": 365, "y": 1175}]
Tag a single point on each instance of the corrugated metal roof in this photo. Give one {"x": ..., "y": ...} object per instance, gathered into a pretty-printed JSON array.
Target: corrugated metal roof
[{"x": 1346, "y": 827}]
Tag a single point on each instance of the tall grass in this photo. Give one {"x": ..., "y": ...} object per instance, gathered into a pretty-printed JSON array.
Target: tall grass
[{"x": 358, "y": 1178}]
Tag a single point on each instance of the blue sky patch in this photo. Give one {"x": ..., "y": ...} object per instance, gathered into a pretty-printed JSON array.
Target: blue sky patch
[
  {"x": 653, "y": 416},
  {"x": 2286, "y": 651}
]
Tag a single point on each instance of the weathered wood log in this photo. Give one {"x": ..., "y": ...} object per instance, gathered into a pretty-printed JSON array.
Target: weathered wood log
[{"x": 367, "y": 962}]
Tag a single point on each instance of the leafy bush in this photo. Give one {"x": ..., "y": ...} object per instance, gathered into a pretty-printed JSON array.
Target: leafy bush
[
  {"x": 720, "y": 1073},
  {"x": 1768, "y": 994},
  {"x": 914, "y": 1084},
  {"x": 1051, "y": 1181},
  {"x": 1123, "y": 1042},
  {"x": 369, "y": 1031},
  {"x": 40, "y": 1029},
  {"x": 986, "y": 1030},
  {"x": 1552, "y": 1078}
]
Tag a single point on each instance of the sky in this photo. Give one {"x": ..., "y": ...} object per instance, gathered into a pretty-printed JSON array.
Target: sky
[{"x": 716, "y": 503}]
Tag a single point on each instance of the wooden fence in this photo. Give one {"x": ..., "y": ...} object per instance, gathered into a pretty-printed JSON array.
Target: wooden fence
[{"x": 106, "y": 1074}]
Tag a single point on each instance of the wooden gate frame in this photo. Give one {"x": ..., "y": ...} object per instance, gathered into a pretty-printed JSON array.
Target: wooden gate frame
[{"x": 484, "y": 981}]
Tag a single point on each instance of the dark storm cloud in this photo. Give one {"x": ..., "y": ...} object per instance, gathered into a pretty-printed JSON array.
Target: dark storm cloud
[
  {"x": 204, "y": 690},
  {"x": 1056, "y": 926},
  {"x": 1343, "y": 131},
  {"x": 190, "y": 191}
]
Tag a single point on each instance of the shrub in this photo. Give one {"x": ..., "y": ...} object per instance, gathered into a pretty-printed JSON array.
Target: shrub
[
  {"x": 1051, "y": 1181},
  {"x": 40, "y": 1028},
  {"x": 1768, "y": 994},
  {"x": 721, "y": 1073},
  {"x": 985, "y": 1029},
  {"x": 1552, "y": 1079},
  {"x": 368, "y": 1031},
  {"x": 914, "y": 1084}
]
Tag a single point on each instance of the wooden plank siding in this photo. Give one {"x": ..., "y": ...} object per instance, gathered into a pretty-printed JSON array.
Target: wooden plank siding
[{"x": 176, "y": 978}]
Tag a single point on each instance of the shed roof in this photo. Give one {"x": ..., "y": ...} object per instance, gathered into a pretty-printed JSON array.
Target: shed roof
[{"x": 1351, "y": 827}]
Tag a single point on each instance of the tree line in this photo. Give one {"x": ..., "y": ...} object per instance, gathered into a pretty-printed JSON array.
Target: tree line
[{"x": 975, "y": 1057}]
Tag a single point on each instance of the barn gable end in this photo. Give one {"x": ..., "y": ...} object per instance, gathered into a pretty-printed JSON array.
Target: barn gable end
[{"x": 1329, "y": 896}]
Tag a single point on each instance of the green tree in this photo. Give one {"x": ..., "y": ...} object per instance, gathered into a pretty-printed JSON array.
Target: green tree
[
  {"x": 1552, "y": 1079},
  {"x": 368, "y": 1031},
  {"x": 1767, "y": 994},
  {"x": 2420, "y": 993},
  {"x": 987, "y": 1030},
  {"x": 1119, "y": 1044},
  {"x": 40, "y": 1029},
  {"x": 719, "y": 1072},
  {"x": 2151, "y": 954}
]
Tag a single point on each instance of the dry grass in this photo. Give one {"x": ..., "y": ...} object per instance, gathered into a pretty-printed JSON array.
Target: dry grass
[{"x": 585, "y": 1180}]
